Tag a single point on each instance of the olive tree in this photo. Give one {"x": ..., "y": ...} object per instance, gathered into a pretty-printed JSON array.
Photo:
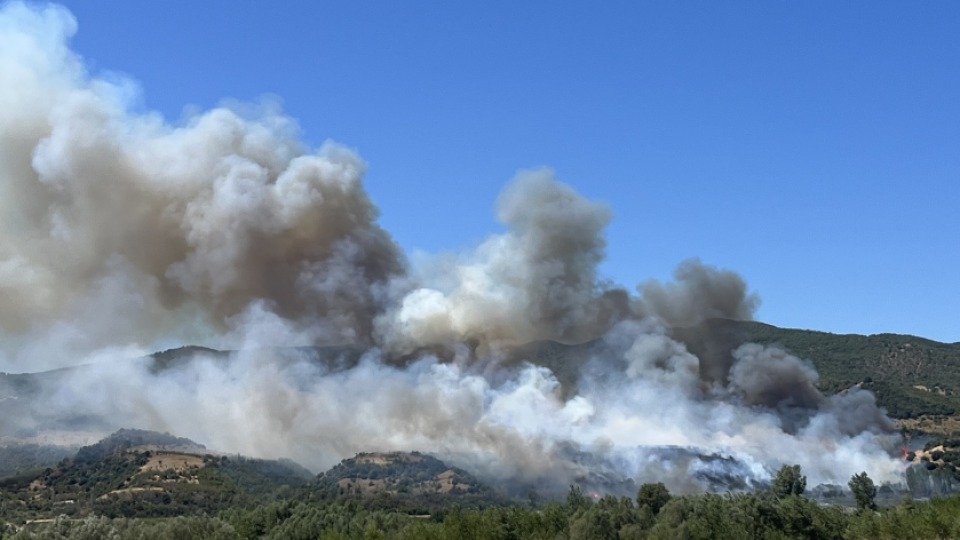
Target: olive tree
[
  {"x": 864, "y": 491},
  {"x": 788, "y": 481}
]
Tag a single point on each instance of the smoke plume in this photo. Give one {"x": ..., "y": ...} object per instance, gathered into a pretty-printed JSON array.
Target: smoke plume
[
  {"x": 120, "y": 232},
  {"x": 537, "y": 281},
  {"x": 113, "y": 220}
]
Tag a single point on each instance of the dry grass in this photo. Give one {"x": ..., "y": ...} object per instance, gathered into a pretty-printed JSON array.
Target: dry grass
[
  {"x": 920, "y": 454},
  {"x": 162, "y": 461},
  {"x": 386, "y": 458},
  {"x": 445, "y": 480},
  {"x": 128, "y": 491},
  {"x": 938, "y": 425}
]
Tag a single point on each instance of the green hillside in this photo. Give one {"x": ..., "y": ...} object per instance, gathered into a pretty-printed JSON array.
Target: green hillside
[
  {"x": 135, "y": 473},
  {"x": 136, "y": 485},
  {"x": 911, "y": 376},
  {"x": 409, "y": 482}
]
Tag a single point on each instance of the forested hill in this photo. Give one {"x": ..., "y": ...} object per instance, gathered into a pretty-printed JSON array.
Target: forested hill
[
  {"x": 136, "y": 473},
  {"x": 911, "y": 376}
]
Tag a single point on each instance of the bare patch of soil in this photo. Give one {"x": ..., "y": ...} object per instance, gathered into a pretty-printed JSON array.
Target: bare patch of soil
[{"x": 162, "y": 461}]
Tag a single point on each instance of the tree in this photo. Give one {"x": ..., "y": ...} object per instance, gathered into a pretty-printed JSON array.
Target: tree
[
  {"x": 788, "y": 481},
  {"x": 577, "y": 499},
  {"x": 654, "y": 496},
  {"x": 594, "y": 522},
  {"x": 864, "y": 491}
]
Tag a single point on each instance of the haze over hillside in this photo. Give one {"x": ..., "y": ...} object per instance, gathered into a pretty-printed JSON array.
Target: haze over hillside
[{"x": 568, "y": 364}]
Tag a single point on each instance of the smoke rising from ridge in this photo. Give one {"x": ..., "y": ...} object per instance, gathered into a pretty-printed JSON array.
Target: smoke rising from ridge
[
  {"x": 536, "y": 281},
  {"x": 700, "y": 292},
  {"x": 120, "y": 231}
]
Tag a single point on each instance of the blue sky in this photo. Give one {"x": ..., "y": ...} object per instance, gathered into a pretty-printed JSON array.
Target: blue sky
[{"x": 812, "y": 146}]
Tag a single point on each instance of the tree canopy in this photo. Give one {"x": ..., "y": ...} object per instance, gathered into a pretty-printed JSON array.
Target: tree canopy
[
  {"x": 864, "y": 491},
  {"x": 788, "y": 481}
]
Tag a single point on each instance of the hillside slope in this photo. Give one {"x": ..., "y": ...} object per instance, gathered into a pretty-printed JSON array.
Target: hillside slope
[
  {"x": 406, "y": 481},
  {"x": 135, "y": 473},
  {"x": 911, "y": 376}
]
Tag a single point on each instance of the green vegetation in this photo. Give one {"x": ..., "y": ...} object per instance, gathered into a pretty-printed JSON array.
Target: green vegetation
[
  {"x": 141, "y": 474},
  {"x": 412, "y": 483},
  {"x": 120, "y": 489},
  {"x": 788, "y": 481},
  {"x": 864, "y": 491},
  {"x": 653, "y": 496},
  {"x": 136, "y": 473},
  {"x": 731, "y": 516},
  {"x": 911, "y": 376}
]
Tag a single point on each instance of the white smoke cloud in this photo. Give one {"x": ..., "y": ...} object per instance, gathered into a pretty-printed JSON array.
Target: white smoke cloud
[
  {"x": 116, "y": 220},
  {"x": 119, "y": 231},
  {"x": 519, "y": 430}
]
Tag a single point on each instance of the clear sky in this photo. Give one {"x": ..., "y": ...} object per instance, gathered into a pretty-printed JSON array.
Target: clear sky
[{"x": 812, "y": 146}]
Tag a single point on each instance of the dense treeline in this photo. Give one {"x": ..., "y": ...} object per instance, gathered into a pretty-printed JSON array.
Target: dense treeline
[{"x": 653, "y": 515}]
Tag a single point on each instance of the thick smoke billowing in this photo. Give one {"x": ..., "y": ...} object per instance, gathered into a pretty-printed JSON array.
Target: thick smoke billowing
[
  {"x": 537, "y": 281},
  {"x": 118, "y": 225},
  {"x": 119, "y": 232},
  {"x": 700, "y": 293}
]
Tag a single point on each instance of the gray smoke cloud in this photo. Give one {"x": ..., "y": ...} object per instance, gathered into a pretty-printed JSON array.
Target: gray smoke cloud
[
  {"x": 699, "y": 292},
  {"x": 771, "y": 377},
  {"x": 536, "y": 281},
  {"x": 120, "y": 232}
]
